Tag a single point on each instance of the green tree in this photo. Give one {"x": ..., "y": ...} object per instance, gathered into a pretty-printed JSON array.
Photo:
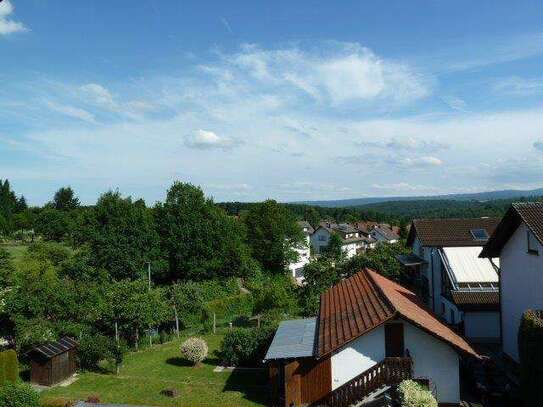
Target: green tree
[
  {"x": 53, "y": 224},
  {"x": 319, "y": 275},
  {"x": 382, "y": 259},
  {"x": 334, "y": 249},
  {"x": 121, "y": 236},
  {"x": 11, "y": 366},
  {"x": 6, "y": 268},
  {"x": 198, "y": 238},
  {"x": 272, "y": 233},
  {"x": 65, "y": 199}
]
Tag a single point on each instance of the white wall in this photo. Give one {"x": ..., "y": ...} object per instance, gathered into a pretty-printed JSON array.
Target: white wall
[
  {"x": 482, "y": 326},
  {"x": 303, "y": 258},
  {"x": 349, "y": 249},
  {"x": 436, "y": 360},
  {"x": 316, "y": 242},
  {"x": 358, "y": 356},
  {"x": 521, "y": 285},
  {"x": 432, "y": 358}
]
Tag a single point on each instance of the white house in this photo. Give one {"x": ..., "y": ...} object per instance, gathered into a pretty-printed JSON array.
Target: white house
[
  {"x": 296, "y": 268},
  {"x": 451, "y": 278},
  {"x": 384, "y": 234},
  {"x": 518, "y": 241},
  {"x": 370, "y": 331},
  {"x": 351, "y": 241}
]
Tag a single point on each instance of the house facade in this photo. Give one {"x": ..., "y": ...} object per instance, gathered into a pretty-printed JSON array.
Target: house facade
[
  {"x": 304, "y": 253},
  {"x": 518, "y": 241},
  {"x": 384, "y": 234},
  {"x": 351, "y": 241},
  {"x": 370, "y": 333},
  {"x": 455, "y": 283}
]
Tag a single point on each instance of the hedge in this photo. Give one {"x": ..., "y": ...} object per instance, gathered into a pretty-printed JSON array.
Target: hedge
[
  {"x": 18, "y": 395},
  {"x": 9, "y": 366},
  {"x": 246, "y": 346},
  {"x": 530, "y": 343}
]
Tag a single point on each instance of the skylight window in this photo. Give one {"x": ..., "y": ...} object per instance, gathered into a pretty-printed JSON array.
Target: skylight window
[{"x": 479, "y": 234}]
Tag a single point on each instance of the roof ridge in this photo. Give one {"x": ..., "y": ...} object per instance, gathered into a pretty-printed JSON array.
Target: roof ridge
[{"x": 378, "y": 288}]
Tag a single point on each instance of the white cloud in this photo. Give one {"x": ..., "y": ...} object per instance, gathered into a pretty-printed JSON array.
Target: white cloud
[
  {"x": 517, "y": 86},
  {"x": 538, "y": 145},
  {"x": 72, "y": 111},
  {"x": 455, "y": 103},
  {"x": 8, "y": 26},
  {"x": 207, "y": 140},
  {"x": 99, "y": 95},
  {"x": 337, "y": 74},
  {"x": 420, "y": 162},
  {"x": 406, "y": 187}
]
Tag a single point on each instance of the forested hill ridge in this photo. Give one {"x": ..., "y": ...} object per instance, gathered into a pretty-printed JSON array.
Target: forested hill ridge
[{"x": 512, "y": 194}]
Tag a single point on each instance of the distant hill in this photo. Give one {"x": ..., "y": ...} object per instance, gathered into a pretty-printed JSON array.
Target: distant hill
[{"x": 478, "y": 196}]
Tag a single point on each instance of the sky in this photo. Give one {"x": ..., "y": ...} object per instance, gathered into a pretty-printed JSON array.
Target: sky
[{"x": 286, "y": 100}]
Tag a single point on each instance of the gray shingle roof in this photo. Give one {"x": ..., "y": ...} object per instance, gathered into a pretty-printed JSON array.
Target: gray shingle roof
[{"x": 293, "y": 339}]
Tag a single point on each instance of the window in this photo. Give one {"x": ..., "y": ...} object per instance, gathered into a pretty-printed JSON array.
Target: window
[
  {"x": 479, "y": 234},
  {"x": 532, "y": 243}
]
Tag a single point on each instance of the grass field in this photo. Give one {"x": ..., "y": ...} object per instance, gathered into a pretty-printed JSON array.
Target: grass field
[{"x": 144, "y": 374}]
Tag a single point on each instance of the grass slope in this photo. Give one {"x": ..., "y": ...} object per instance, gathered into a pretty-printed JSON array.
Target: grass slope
[{"x": 144, "y": 374}]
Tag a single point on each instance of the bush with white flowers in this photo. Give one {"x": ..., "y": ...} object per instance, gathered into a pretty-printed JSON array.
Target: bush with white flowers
[
  {"x": 194, "y": 349},
  {"x": 412, "y": 394}
]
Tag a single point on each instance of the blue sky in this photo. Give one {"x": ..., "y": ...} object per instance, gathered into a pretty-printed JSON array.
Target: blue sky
[{"x": 286, "y": 100}]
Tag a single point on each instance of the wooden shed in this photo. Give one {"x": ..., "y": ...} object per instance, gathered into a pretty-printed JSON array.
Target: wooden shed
[{"x": 53, "y": 362}]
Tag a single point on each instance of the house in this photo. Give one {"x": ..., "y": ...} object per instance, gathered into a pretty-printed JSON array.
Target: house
[
  {"x": 451, "y": 278},
  {"x": 351, "y": 242},
  {"x": 53, "y": 362},
  {"x": 297, "y": 268},
  {"x": 518, "y": 241},
  {"x": 384, "y": 234},
  {"x": 364, "y": 231},
  {"x": 370, "y": 333}
]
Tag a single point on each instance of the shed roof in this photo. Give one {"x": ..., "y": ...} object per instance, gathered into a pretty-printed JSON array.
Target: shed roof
[
  {"x": 52, "y": 349},
  {"x": 466, "y": 266},
  {"x": 531, "y": 213},
  {"x": 450, "y": 232},
  {"x": 293, "y": 339},
  {"x": 477, "y": 300}
]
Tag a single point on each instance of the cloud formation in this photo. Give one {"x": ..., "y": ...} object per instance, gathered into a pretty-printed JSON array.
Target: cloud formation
[
  {"x": 208, "y": 140},
  {"x": 8, "y": 26}
]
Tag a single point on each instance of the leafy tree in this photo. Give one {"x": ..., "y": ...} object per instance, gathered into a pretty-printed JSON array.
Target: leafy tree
[
  {"x": 334, "y": 249},
  {"x": 276, "y": 297},
  {"x": 199, "y": 239},
  {"x": 382, "y": 259},
  {"x": 53, "y": 224},
  {"x": 6, "y": 268},
  {"x": 272, "y": 234},
  {"x": 121, "y": 236},
  {"x": 9, "y": 206},
  {"x": 65, "y": 199},
  {"x": 319, "y": 275}
]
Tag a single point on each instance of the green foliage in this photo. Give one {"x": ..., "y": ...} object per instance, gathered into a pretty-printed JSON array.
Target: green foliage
[
  {"x": 2, "y": 369},
  {"x": 94, "y": 348},
  {"x": 121, "y": 236},
  {"x": 381, "y": 259},
  {"x": 199, "y": 240},
  {"x": 246, "y": 346},
  {"x": 334, "y": 249},
  {"x": 231, "y": 307},
  {"x": 530, "y": 338},
  {"x": 319, "y": 275},
  {"x": 412, "y": 394},
  {"x": 11, "y": 366},
  {"x": 10, "y": 205},
  {"x": 54, "y": 252},
  {"x": 65, "y": 199},
  {"x": 6, "y": 268},
  {"x": 272, "y": 234},
  {"x": 53, "y": 224},
  {"x": 276, "y": 296},
  {"x": 18, "y": 395}
]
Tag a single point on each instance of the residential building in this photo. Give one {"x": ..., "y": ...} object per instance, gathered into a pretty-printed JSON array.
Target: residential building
[
  {"x": 303, "y": 251},
  {"x": 384, "y": 234},
  {"x": 370, "y": 333},
  {"x": 351, "y": 242},
  {"x": 451, "y": 278},
  {"x": 518, "y": 241}
]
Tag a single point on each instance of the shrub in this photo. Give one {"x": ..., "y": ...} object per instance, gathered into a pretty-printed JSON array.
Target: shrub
[
  {"x": 413, "y": 394},
  {"x": 194, "y": 349},
  {"x": 246, "y": 346},
  {"x": 2, "y": 369},
  {"x": 11, "y": 366},
  {"x": 231, "y": 306},
  {"x": 57, "y": 402},
  {"x": 530, "y": 338},
  {"x": 18, "y": 395},
  {"x": 94, "y": 348}
]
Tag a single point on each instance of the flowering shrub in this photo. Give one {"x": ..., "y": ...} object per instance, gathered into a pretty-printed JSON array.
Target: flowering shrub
[
  {"x": 194, "y": 349},
  {"x": 413, "y": 394}
]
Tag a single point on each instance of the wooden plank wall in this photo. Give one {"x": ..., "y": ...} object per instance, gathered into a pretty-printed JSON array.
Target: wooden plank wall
[{"x": 306, "y": 381}]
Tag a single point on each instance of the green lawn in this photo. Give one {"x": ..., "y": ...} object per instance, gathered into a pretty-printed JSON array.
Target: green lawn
[{"x": 144, "y": 374}]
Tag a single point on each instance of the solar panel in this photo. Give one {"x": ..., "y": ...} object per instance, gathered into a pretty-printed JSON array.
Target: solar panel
[{"x": 479, "y": 234}]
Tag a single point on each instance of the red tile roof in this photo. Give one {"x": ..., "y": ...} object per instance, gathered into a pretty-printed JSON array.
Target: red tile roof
[{"x": 366, "y": 300}]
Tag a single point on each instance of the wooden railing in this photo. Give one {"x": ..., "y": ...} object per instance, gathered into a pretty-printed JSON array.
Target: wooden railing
[{"x": 390, "y": 371}]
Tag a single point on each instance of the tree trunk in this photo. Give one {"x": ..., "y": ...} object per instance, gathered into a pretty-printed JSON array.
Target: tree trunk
[
  {"x": 176, "y": 321},
  {"x": 137, "y": 339}
]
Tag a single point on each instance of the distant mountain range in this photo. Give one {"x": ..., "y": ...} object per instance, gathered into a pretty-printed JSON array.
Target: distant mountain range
[{"x": 478, "y": 196}]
